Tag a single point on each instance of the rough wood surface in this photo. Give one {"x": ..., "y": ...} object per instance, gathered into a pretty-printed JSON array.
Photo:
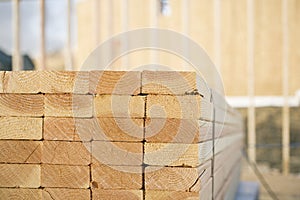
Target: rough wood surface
[
  {"x": 20, "y": 175},
  {"x": 177, "y": 178},
  {"x": 20, "y": 151},
  {"x": 1, "y": 81},
  {"x": 170, "y": 195},
  {"x": 115, "y": 82},
  {"x": 179, "y": 107},
  {"x": 65, "y": 176},
  {"x": 68, "y": 153},
  {"x": 21, "y": 128},
  {"x": 20, "y": 193},
  {"x": 64, "y": 82},
  {"x": 65, "y": 194},
  {"x": 119, "y": 106},
  {"x": 177, "y": 130},
  {"x": 169, "y": 154},
  {"x": 116, "y": 177},
  {"x": 22, "y": 82},
  {"x": 117, "y": 194},
  {"x": 68, "y": 129},
  {"x": 68, "y": 105},
  {"x": 117, "y": 153},
  {"x": 21, "y": 105}
]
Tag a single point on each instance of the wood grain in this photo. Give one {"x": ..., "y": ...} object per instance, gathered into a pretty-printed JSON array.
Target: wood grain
[
  {"x": 177, "y": 130},
  {"x": 21, "y": 105},
  {"x": 22, "y": 82},
  {"x": 65, "y": 176},
  {"x": 114, "y": 177},
  {"x": 68, "y": 153},
  {"x": 117, "y": 153},
  {"x": 115, "y": 82},
  {"x": 68, "y": 105},
  {"x": 20, "y": 175},
  {"x": 117, "y": 194},
  {"x": 1, "y": 81},
  {"x": 21, "y": 128},
  {"x": 64, "y": 82},
  {"x": 177, "y": 178},
  {"x": 65, "y": 194},
  {"x": 170, "y": 154},
  {"x": 119, "y": 106},
  {"x": 20, "y": 193},
  {"x": 20, "y": 151},
  {"x": 170, "y": 195}
]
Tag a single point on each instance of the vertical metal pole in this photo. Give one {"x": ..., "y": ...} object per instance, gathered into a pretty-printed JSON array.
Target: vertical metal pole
[
  {"x": 217, "y": 33},
  {"x": 285, "y": 91},
  {"x": 185, "y": 26},
  {"x": 69, "y": 60},
  {"x": 16, "y": 62},
  {"x": 251, "y": 79},
  {"x": 42, "y": 32},
  {"x": 124, "y": 19}
]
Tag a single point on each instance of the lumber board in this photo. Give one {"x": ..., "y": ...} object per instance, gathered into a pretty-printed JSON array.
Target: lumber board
[
  {"x": 115, "y": 82},
  {"x": 68, "y": 129},
  {"x": 206, "y": 191},
  {"x": 76, "y": 82},
  {"x": 117, "y": 153},
  {"x": 12, "y": 151},
  {"x": 179, "y": 107},
  {"x": 20, "y": 175},
  {"x": 170, "y": 195},
  {"x": 1, "y": 81},
  {"x": 65, "y": 176},
  {"x": 223, "y": 142},
  {"x": 117, "y": 194},
  {"x": 116, "y": 177},
  {"x": 68, "y": 105},
  {"x": 177, "y": 130},
  {"x": 67, "y": 153},
  {"x": 20, "y": 193},
  {"x": 119, "y": 106},
  {"x": 177, "y": 178},
  {"x": 119, "y": 129},
  {"x": 21, "y": 128},
  {"x": 171, "y": 154},
  {"x": 65, "y": 194},
  {"x": 22, "y": 82},
  {"x": 21, "y": 105}
]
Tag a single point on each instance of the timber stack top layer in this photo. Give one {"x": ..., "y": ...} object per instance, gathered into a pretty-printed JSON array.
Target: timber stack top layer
[{"x": 116, "y": 135}]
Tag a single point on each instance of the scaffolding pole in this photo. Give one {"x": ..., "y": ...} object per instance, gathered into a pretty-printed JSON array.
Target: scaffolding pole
[{"x": 16, "y": 61}]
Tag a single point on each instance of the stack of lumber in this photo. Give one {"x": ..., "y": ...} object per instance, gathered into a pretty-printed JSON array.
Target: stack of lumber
[{"x": 116, "y": 135}]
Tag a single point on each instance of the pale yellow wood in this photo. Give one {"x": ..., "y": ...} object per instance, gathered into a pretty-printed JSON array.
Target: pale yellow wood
[
  {"x": 170, "y": 154},
  {"x": 65, "y": 194},
  {"x": 169, "y": 106},
  {"x": 16, "y": 60},
  {"x": 114, "y": 177},
  {"x": 117, "y": 153},
  {"x": 119, "y": 106},
  {"x": 68, "y": 129},
  {"x": 22, "y": 82},
  {"x": 65, "y": 176},
  {"x": 177, "y": 130},
  {"x": 170, "y": 195},
  {"x": 169, "y": 82},
  {"x": 177, "y": 178},
  {"x": 42, "y": 36},
  {"x": 20, "y": 151},
  {"x": 20, "y": 175},
  {"x": 115, "y": 82},
  {"x": 21, "y": 105},
  {"x": 117, "y": 194},
  {"x": 21, "y": 128},
  {"x": 1, "y": 81},
  {"x": 67, "y": 153},
  {"x": 68, "y": 105},
  {"x": 20, "y": 193}
]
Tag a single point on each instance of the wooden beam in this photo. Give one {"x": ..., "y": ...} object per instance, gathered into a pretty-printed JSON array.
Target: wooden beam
[
  {"x": 69, "y": 58},
  {"x": 43, "y": 36},
  {"x": 16, "y": 61}
]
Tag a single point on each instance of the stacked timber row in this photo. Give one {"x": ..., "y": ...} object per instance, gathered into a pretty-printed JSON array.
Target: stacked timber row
[{"x": 116, "y": 135}]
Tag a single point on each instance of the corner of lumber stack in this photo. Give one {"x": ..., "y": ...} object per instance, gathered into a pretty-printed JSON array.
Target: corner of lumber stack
[{"x": 116, "y": 135}]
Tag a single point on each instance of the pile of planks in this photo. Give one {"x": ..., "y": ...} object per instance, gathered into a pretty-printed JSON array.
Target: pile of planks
[{"x": 116, "y": 135}]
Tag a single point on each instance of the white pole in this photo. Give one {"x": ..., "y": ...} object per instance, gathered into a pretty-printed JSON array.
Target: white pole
[
  {"x": 185, "y": 21},
  {"x": 16, "y": 62},
  {"x": 285, "y": 88},
  {"x": 217, "y": 33},
  {"x": 153, "y": 24},
  {"x": 124, "y": 20},
  {"x": 42, "y": 32},
  {"x": 69, "y": 60},
  {"x": 251, "y": 81}
]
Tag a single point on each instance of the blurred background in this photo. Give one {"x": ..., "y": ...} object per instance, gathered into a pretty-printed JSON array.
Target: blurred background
[{"x": 255, "y": 45}]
